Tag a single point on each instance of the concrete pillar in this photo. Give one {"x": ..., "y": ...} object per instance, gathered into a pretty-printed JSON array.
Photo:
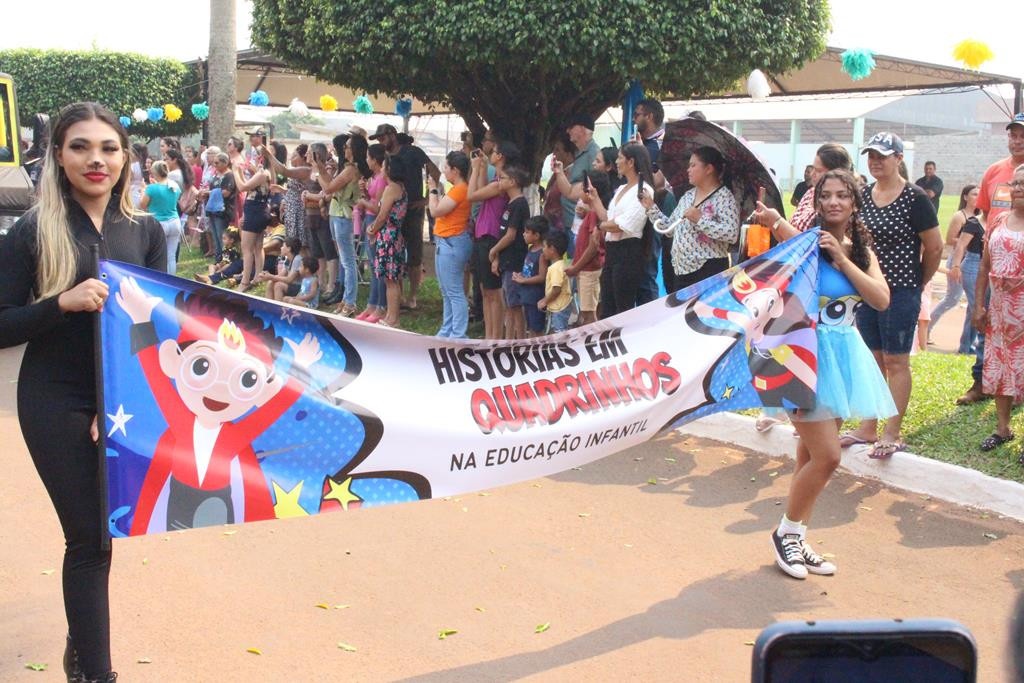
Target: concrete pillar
[
  {"x": 859, "y": 161},
  {"x": 794, "y": 142}
]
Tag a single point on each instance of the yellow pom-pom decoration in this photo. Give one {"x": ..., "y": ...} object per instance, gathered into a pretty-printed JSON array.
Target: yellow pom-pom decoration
[
  {"x": 328, "y": 103},
  {"x": 972, "y": 53},
  {"x": 171, "y": 113}
]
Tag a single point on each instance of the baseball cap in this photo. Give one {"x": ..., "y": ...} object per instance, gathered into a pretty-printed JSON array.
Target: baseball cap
[
  {"x": 256, "y": 131},
  {"x": 1017, "y": 120},
  {"x": 885, "y": 144},
  {"x": 382, "y": 130},
  {"x": 581, "y": 120}
]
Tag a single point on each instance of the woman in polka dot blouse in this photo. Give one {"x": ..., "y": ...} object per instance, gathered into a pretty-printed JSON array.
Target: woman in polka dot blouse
[{"x": 905, "y": 230}]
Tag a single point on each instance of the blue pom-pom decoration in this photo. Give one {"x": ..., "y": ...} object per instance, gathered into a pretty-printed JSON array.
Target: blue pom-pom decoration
[
  {"x": 126, "y": 121},
  {"x": 362, "y": 105},
  {"x": 403, "y": 107},
  {"x": 201, "y": 111},
  {"x": 154, "y": 114},
  {"x": 259, "y": 98},
  {"x": 858, "y": 63}
]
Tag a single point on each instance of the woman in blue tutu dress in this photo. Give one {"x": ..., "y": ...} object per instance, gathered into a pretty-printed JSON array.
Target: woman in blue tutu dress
[{"x": 849, "y": 386}]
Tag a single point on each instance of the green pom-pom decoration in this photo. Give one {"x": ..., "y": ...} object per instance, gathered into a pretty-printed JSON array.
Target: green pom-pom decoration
[
  {"x": 201, "y": 111},
  {"x": 858, "y": 63},
  {"x": 362, "y": 105}
]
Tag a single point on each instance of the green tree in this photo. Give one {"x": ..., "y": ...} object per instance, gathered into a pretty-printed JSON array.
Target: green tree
[
  {"x": 522, "y": 67},
  {"x": 46, "y": 80},
  {"x": 284, "y": 121}
]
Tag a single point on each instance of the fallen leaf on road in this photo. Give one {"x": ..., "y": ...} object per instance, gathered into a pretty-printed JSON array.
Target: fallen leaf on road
[
  {"x": 992, "y": 536},
  {"x": 865, "y": 507},
  {"x": 445, "y": 633},
  {"x": 342, "y": 606},
  {"x": 479, "y": 609},
  {"x": 47, "y": 572},
  {"x": 828, "y": 556},
  {"x": 145, "y": 560},
  {"x": 484, "y": 494},
  {"x": 542, "y": 627},
  {"x": 232, "y": 532},
  {"x": 652, "y": 481},
  {"x": 670, "y": 459},
  {"x": 578, "y": 469},
  {"x": 502, "y": 567},
  {"x": 753, "y": 479},
  {"x": 36, "y": 667},
  {"x": 748, "y": 642},
  {"x": 323, "y": 605},
  {"x": 773, "y": 474},
  {"x": 778, "y": 502},
  {"x": 584, "y": 514},
  {"x": 536, "y": 486},
  {"x": 638, "y": 459},
  {"x": 254, "y": 651},
  {"x": 144, "y": 660},
  {"x": 346, "y": 647},
  {"x": 628, "y": 545}
]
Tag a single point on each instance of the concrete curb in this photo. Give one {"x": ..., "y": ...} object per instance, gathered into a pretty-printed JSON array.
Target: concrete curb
[{"x": 907, "y": 471}]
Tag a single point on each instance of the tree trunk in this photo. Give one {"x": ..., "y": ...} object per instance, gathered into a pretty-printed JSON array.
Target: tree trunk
[{"x": 221, "y": 72}]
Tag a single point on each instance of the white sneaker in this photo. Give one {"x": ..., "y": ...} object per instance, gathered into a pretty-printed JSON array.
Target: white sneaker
[
  {"x": 789, "y": 554},
  {"x": 814, "y": 562}
]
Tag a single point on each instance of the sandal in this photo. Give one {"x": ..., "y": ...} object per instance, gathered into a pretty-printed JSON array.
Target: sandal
[
  {"x": 383, "y": 322},
  {"x": 883, "y": 450},
  {"x": 764, "y": 423},
  {"x": 995, "y": 441},
  {"x": 847, "y": 439}
]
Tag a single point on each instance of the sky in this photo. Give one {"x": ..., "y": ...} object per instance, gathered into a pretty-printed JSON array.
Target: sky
[{"x": 913, "y": 30}]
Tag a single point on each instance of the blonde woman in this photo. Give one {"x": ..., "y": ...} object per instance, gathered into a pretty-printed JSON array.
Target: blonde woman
[
  {"x": 48, "y": 294},
  {"x": 161, "y": 200}
]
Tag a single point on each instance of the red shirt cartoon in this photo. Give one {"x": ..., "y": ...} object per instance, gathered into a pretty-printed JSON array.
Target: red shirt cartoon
[{"x": 217, "y": 390}]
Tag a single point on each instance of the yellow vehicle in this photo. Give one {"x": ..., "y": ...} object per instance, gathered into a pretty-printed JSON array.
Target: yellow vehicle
[{"x": 16, "y": 190}]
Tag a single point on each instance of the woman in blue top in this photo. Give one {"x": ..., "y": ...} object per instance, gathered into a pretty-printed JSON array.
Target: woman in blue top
[
  {"x": 849, "y": 385},
  {"x": 161, "y": 200}
]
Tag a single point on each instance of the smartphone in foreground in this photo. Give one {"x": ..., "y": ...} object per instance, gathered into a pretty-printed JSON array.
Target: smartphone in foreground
[{"x": 925, "y": 650}]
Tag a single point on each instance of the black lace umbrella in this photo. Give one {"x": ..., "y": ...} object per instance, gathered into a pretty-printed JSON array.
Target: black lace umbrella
[{"x": 746, "y": 170}]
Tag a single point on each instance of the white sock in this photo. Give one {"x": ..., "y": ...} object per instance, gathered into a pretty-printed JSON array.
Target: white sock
[{"x": 788, "y": 526}]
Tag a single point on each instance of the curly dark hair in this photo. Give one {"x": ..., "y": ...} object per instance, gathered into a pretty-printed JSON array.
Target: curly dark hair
[
  {"x": 217, "y": 305},
  {"x": 857, "y": 232}
]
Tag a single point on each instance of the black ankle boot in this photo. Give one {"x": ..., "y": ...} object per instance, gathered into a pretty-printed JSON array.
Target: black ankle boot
[{"x": 71, "y": 667}]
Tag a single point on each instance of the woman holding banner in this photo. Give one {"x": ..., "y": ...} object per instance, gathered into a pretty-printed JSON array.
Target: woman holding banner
[
  {"x": 849, "y": 383},
  {"x": 48, "y": 294}
]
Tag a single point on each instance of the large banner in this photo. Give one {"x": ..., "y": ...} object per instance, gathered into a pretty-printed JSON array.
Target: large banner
[{"x": 224, "y": 408}]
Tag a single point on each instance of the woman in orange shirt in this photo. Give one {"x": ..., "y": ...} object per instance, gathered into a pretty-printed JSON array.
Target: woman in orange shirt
[{"x": 454, "y": 243}]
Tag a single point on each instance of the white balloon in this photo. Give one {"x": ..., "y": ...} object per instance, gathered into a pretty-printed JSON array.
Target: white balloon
[
  {"x": 140, "y": 115},
  {"x": 298, "y": 107},
  {"x": 757, "y": 86}
]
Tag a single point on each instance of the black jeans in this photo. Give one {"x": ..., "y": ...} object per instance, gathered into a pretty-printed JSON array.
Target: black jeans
[
  {"x": 55, "y": 418},
  {"x": 624, "y": 270},
  {"x": 711, "y": 267}
]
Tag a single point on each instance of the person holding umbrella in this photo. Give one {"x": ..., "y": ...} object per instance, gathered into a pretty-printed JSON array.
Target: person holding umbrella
[{"x": 705, "y": 223}]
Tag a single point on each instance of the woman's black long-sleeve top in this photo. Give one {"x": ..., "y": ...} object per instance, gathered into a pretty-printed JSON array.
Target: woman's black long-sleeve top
[{"x": 60, "y": 345}]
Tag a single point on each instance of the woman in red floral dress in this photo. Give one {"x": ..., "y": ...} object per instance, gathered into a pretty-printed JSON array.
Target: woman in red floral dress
[{"x": 1002, "y": 273}]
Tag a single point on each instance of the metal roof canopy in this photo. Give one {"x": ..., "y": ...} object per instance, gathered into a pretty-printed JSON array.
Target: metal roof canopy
[
  {"x": 262, "y": 71},
  {"x": 823, "y": 76}
]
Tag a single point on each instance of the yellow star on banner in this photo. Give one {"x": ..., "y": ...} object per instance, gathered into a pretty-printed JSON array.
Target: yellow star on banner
[
  {"x": 727, "y": 394},
  {"x": 342, "y": 493},
  {"x": 287, "y": 504}
]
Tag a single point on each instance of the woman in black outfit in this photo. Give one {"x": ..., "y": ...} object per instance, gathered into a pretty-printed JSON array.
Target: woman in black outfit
[{"x": 48, "y": 294}]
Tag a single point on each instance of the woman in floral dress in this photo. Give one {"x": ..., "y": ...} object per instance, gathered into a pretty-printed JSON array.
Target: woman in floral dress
[
  {"x": 387, "y": 227},
  {"x": 1002, "y": 273}
]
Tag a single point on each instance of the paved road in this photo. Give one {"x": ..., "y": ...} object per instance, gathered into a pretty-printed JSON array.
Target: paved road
[{"x": 637, "y": 581}]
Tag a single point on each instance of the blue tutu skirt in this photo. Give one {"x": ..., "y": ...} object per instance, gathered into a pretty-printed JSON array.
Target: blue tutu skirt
[{"x": 850, "y": 385}]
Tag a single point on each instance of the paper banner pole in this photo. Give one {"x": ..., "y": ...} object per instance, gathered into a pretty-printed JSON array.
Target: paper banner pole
[{"x": 101, "y": 442}]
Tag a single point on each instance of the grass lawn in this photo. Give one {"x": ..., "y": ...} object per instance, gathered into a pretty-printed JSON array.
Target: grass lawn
[{"x": 934, "y": 426}]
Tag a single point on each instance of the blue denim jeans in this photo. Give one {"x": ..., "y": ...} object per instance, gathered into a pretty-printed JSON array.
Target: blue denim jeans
[
  {"x": 450, "y": 263},
  {"x": 378, "y": 290},
  {"x": 559, "y": 322},
  {"x": 341, "y": 229},
  {"x": 954, "y": 290},
  {"x": 969, "y": 271},
  {"x": 218, "y": 224}
]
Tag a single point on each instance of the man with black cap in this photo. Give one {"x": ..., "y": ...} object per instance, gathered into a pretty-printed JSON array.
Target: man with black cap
[
  {"x": 257, "y": 138},
  {"x": 412, "y": 228},
  {"x": 994, "y": 199},
  {"x": 581, "y": 131}
]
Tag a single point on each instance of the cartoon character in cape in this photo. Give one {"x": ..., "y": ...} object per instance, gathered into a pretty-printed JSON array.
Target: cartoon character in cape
[
  {"x": 217, "y": 390},
  {"x": 780, "y": 335}
]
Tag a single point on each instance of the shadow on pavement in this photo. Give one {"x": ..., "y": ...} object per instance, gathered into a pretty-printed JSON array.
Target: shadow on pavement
[
  {"x": 622, "y": 468},
  {"x": 705, "y": 605},
  {"x": 1016, "y": 578},
  {"x": 923, "y": 528},
  {"x": 836, "y": 506}
]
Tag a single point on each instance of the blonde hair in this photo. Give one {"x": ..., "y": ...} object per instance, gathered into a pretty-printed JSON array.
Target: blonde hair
[
  {"x": 159, "y": 168},
  {"x": 56, "y": 254}
]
